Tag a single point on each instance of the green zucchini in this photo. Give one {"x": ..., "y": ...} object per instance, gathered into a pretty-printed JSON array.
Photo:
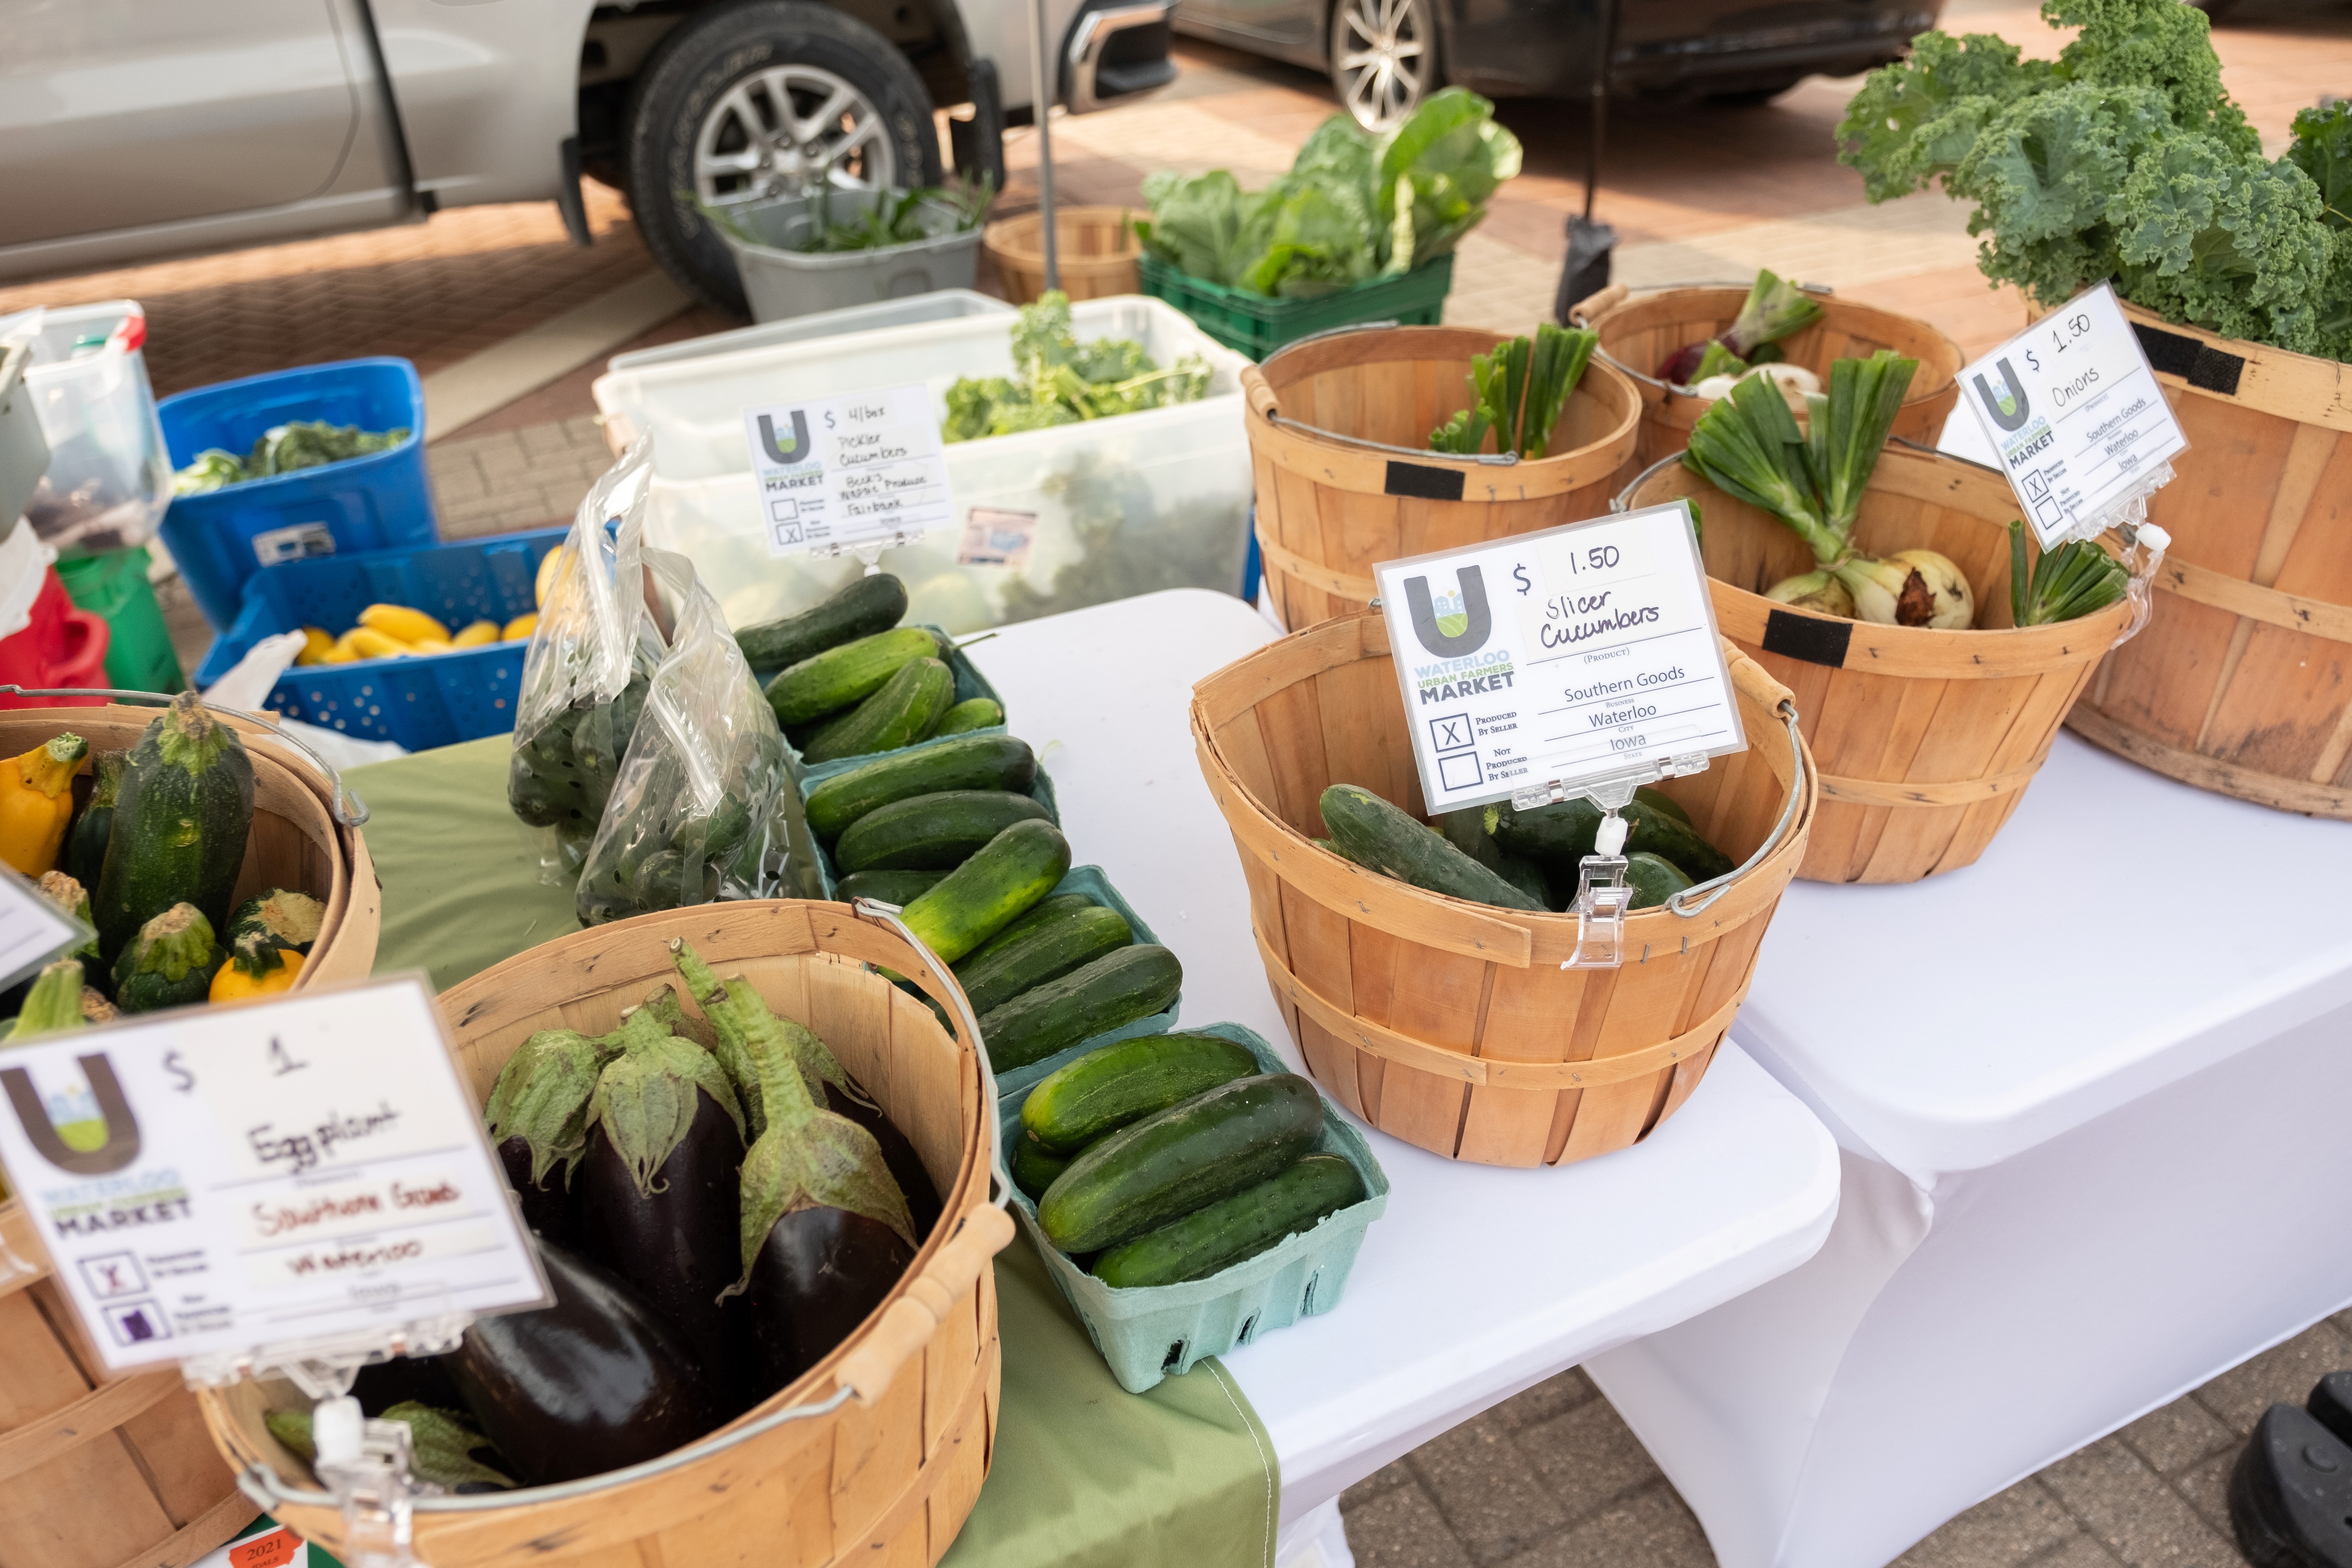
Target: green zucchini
[
  {"x": 1042, "y": 910},
  {"x": 900, "y": 888},
  {"x": 1047, "y": 951},
  {"x": 1102, "y": 1091},
  {"x": 1034, "y": 1170},
  {"x": 840, "y": 677},
  {"x": 85, "y": 855},
  {"x": 975, "y": 762},
  {"x": 859, "y": 608},
  {"x": 1374, "y": 834},
  {"x": 931, "y": 832},
  {"x": 179, "y": 824},
  {"x": 170, "y": 963},
  {"x": 1114, "y": 991},
  {"x": 1234, "y": 1229},
  {"x": 908, "y": 703},
  {"x": 992, "y": 887},
  {"x": 1466, "y": 830},
  {"x": 972, "y": 713},
  {"x": 1153, "y": 1170},
  {"x": 1654, "y": 878}
]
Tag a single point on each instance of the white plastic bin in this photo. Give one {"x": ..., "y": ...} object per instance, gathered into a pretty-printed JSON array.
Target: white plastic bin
[
  {"x": 1124, "y": 506},
  {"x": 110, "y": 478}
]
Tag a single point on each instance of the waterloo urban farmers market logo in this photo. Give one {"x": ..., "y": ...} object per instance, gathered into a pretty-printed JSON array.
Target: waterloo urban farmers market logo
[
  {"x": 84, "y": 1126},
  {"x": 1455, "y": 626}
]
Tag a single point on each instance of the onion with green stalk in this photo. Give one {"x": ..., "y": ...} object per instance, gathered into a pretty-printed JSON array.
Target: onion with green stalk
[{"x": 1812, "y": 477}]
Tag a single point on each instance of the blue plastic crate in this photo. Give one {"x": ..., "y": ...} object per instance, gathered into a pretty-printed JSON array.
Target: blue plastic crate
[
  {"x": 382, "y": 501},
  {"x": 433, "y": 699}
]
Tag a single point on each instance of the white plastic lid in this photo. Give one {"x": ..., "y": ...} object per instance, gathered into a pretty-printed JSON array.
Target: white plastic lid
[{"x": 23, "y": 561}]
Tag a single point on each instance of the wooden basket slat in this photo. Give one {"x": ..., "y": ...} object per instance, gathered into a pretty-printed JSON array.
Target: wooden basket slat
[
  {"x": 1382, "y": 984},
  {"x": 1638, "y": 331}
]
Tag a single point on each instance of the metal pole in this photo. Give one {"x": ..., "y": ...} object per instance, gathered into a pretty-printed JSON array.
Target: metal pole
[{"x": 1041, "y": 106}]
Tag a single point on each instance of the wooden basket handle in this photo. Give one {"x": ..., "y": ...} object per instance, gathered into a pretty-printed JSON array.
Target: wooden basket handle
[
  {"x": 911, "y": 1321},
  {"x": 1592, "y": 306}
]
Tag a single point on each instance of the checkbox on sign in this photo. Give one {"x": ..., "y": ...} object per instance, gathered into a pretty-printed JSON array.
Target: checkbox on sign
[
  {"x": 1459, "y": 772},
  {"x": 1450, "y": 734}
]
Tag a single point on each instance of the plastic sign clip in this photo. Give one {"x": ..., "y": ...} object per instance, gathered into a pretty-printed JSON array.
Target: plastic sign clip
[{"x": 1602, "y": 898}]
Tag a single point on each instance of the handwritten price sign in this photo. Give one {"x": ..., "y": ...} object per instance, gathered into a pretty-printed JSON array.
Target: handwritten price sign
[{"x": 240, "y": 1181}]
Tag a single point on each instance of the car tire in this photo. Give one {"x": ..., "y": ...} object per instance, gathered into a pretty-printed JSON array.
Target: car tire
[
  {"x": 1752, "y": 97},
  {"x": 1382, "y": 58},
  {"x": 688, "y": 117}
]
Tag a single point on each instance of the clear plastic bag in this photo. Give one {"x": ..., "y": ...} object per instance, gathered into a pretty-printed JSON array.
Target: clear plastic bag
[
  {"x": 109, "y": 476},
  {"x": 589, "y": 664},
  {"x": 693, "y": 816}
]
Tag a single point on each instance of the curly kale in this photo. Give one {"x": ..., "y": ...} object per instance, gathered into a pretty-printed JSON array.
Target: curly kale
[
  {"x": 1061, "y": 381},
  {"x": 2123, "y": 159}
]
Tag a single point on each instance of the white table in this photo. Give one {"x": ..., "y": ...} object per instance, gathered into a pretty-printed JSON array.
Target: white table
[
  {"x": 2091, "y": 1097},
  {"x": 1477, "y": 1282}
]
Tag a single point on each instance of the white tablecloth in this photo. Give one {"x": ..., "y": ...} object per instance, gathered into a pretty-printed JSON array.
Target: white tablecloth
[
  {"x": 1477, "y": 1282},
  {"x": 2090, "y": 1095}
]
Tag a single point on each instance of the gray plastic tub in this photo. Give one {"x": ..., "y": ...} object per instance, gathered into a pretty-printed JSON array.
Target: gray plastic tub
[
  {"x": 781, "y": 282},
  {"x": 943, "y": 305}
]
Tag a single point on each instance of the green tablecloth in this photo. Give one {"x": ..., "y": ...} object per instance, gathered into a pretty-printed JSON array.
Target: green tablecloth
[{"x": 1085, "y": 1475}]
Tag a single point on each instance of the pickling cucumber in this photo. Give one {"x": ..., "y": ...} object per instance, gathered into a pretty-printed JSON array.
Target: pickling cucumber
[
  {"x": 1034, "y": 1170},
  {"x": 1000, "y": 880},
  {"x": 1111, "y": 993},
  {"x": 1126, "y": 1081},
  {"x": 1151, "y": 1172},
  {"x": 1234, "y": 1229},
  {"x": 859, "y": 608},
  {"x": 1654, "y": 878},
  {"x": 1561, "y": 836},
  {"x": 974, "y": 762},
  {"x": 1045, "y": 909},
  {"x": 1466, "y": 830},
  {"x": 897, "y": 715},
  {"x": 1047, "y": 951},
  {"x": 831, "y": 680},
  {"x": 901, "y": 888},
  {"x": 1374, "y": 834},
  {"x": 931, "y": 832},
  {"x": 972, "y": 713}
]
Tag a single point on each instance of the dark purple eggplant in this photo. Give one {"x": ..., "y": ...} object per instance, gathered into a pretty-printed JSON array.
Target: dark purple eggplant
[
  {"x": 538, "y": 1116},
  {"x": 593, "y": 1383},
  {"x": 906, "y": 1166},
  {"x": 404, "y": 1379},
  {"x": 674, "y": 1237},
  {"x": 826, "y": 1234},
  {"x": 819, "y": 1273}
]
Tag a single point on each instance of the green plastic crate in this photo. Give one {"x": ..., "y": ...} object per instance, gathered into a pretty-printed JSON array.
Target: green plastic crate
[{"x": 1257, "y": 325}]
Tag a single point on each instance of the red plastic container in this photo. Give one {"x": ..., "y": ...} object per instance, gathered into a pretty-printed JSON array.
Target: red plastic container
[{"x": 60, "y": 646}]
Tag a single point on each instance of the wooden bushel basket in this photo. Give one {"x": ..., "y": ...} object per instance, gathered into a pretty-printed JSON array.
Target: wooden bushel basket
[
  {"x": 98, "y": 1473},
  {"x": 886, "y": 1477},
  {"x": 1926, "y": 740},
  {"x": 2241, "y": 682},
  {"x": 1331, "y": 502},
  {"x": 1638, "y": 333},
  {"x": 1452, "y": 1024},
  {"x": 1096, "y": 255}
]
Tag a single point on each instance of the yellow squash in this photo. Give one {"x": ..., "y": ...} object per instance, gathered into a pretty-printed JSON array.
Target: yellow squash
[
  {"x": 37, "y": 803},
  {"x": 315, "y": 646},
  {"x": 402, "y": 624},
  {"x": 233, "y": 982},
  {"x": 366, "y": 642},
  {"x": 520, "y": 627},
  {"x": 476, "y": 635}
]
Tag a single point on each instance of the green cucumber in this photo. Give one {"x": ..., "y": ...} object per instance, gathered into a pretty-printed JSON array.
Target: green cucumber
[
  {"x": 900, "y": 888},
  {"x": 1466, "y": 830},
  {"x": 1561, "y": 836},
  {"x": 1114, "y": 991},
  {"x": 972, "y": 713},
  {"x": 180, "y": 817},
  {"x": 1372, "y": 833},
  {"x": 908, "y": 704},
  {"x": 1654, "y": 878},
  {"x": 1126, "y": 1081},
  {"x": 1663, "y": 802},
  {"x": 1671, "y": 839},
  {"x": 840, "y": 677},
  {"x": 1164, "y": 1166},
  {"x": 1034, "y": 1170},
  {"x": 1234, "y": 1229},
  {"x": 859, "y": 608},
  {"x": 974, "y": 762},
  {"x": 1045, "y": 909},
  {"x": 933, "y": 832},
  {"x": 1047, "y": 951},
  {"x": 992, "y": 889}
]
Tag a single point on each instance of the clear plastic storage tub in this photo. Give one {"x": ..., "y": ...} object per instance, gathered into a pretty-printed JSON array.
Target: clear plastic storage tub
[
  {"x": 109, "y": 478},
  {"x": 1123, "y": 506},
  {"x": 939, "y": 305}
]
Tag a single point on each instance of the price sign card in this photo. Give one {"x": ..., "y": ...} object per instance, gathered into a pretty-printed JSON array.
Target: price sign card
[
  {"x": 32, "y": 929},
  {"x": 2075, "y": 414},
  {"x": 835, "y": 472},
  {"x": 220, "y": 1181},
  {"x": 1566, "y": 655}
]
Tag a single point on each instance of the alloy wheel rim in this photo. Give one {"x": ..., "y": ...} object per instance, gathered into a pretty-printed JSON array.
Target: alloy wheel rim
[
  {"x": 1383, "y": 59},
  {"x": 786, "y": 130}
]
